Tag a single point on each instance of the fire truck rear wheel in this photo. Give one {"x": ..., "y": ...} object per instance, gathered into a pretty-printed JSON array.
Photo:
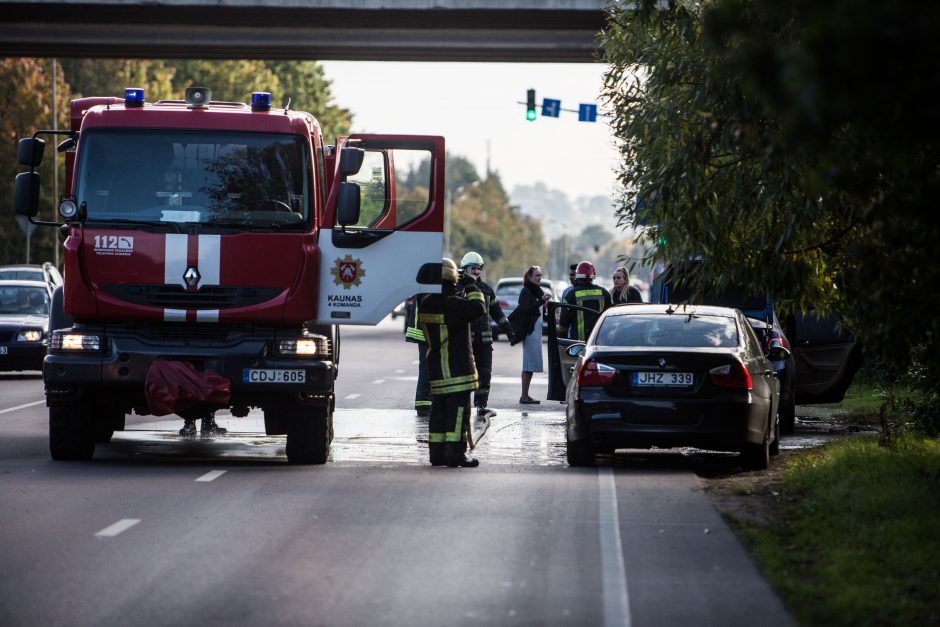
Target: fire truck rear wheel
[
  {"x": 309, "y": 434},
  {"x": 71, "y": 432}
]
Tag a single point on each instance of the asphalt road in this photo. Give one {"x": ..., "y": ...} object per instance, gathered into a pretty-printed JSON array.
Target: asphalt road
[{"x": 157, "y": 531}]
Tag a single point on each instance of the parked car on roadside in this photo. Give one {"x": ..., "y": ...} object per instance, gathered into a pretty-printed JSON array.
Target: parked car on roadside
[
  {"x": 507, "y": 294},
  {"x": 24, "y": 324},
  {"x": 824, "y": 357},
  {"x": 32, "y": 272},
  {"x": 665, "y": 376}
]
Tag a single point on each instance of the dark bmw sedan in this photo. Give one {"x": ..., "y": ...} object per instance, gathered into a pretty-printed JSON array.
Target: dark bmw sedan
[
  {"x": 24, "y": 323},
  {"x": 669, "y": 376}
]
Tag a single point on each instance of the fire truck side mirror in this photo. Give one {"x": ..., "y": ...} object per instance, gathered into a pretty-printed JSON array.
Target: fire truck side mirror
[
  {"x": 347, "y": 204},
  {"x": 350, "y": 160},
  {"x": 30, "y": 151},
  {"x": 26, "y": 194}
]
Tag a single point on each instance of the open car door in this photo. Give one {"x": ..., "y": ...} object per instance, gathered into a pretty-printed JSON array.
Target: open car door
[
  {"x": 378, "y": 229},
  {"x": 561, "y": 363},
  {"x": 827, "y": 357}
]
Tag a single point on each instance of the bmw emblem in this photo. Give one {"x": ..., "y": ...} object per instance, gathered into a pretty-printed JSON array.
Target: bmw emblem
[{"x": 662, "y": 362}]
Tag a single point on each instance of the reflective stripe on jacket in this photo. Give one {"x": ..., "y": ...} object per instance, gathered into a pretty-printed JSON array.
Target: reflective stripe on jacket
[{"x": 445, "y": 320}]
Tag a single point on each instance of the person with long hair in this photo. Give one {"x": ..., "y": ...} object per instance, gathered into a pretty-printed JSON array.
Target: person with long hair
[
  {"x": 531, "y": 300},
  {"x": 623, "y": 292}
]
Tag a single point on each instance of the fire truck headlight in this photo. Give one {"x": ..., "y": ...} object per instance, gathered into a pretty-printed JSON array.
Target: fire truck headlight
[
  {"x": 68, "y": 208},
  {"x": 307, "y": 346},
  {"x": 67, "y": 342}
]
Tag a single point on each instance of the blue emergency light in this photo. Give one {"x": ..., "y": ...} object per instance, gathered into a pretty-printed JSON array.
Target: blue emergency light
[
  {"x": 260, "y": 101},
  {"x": 133, "y": 97}
]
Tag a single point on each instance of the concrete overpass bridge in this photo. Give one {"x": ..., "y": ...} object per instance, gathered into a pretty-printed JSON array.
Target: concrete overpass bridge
[{"x": 393, "y": 30}]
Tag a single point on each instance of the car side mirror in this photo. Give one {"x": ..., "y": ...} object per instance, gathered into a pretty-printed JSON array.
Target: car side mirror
[
  {"x": 776, "y": 350},
  {"x": 26, "y": 194},
  {"x": 575, "y": 350},
  {"x": 350, "y": 160},
  {"x": 429, "y": 274},
  {"x": 30, "y": 150},
  {"x": 347, "y": 204}
]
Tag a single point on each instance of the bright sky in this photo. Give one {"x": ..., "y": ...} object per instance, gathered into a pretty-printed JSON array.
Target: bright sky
[{"x": 474, "y": 105}]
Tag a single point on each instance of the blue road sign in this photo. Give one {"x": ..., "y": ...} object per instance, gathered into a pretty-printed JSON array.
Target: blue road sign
[
  {"x": 550, "y": 107},
  {"x": 587, "y": 113}
]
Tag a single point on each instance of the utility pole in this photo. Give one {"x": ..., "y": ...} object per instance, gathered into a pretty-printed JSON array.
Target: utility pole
[{"x": 55, "y": 166}]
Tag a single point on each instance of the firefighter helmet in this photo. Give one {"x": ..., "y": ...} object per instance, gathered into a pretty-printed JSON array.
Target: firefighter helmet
[
  {"x": 471, "y": 259},
  {"x": 448, "y": 270},
  {"x": 585, "y": 270}
]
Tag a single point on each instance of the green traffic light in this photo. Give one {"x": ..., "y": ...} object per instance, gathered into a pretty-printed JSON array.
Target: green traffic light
[{"x": 530, "y": 115}]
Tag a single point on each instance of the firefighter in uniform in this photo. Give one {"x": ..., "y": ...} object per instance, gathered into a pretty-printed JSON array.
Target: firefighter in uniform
[
  {"x": 482, "y": 332},
  {"x": 413, "y": 333},
  {"x": 576, "y": 324},
  {"x": 445, "y": 319}
]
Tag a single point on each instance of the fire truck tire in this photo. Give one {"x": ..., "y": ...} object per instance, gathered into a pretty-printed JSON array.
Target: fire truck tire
[
  {"x": 71, "y": 432},
  {"x": 107, "y": 421},
  {"x": 309, "y": 434}
]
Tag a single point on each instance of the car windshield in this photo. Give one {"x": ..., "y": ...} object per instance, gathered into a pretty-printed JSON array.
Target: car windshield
[
  {"x": 209, "y": 177},
  {"x": 680, "y": 330},
  {"x": 18, "y": 299},
  {"x": 22, "y": 274}
]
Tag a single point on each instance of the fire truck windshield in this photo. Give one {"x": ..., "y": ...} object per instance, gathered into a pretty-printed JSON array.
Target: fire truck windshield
[{"x": 255, "y": 180}]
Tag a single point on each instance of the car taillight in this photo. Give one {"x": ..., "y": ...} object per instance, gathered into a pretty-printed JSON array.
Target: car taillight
[
  {"x": 593, "y": 374},
  {"x": 733, "y": 375},
  {"x": 503, "y": 304}
]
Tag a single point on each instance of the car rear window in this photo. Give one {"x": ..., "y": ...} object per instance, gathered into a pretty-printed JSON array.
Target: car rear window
[{"x": 682, "y": 330}]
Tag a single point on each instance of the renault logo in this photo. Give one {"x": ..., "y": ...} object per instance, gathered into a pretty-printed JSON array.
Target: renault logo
[
  {"x": 191, "y": 276},
  {"x": 662, "y": 362}
]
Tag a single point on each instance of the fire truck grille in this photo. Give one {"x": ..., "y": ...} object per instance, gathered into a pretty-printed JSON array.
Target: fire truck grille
[{"x": 177, "y": 297}]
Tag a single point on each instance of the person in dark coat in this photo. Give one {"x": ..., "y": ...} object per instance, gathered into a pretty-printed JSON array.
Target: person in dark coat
[
  {"x": 445, "y": 320},
  {"x": 623, "y": 292},
  {"x": 527, "y": 328}
]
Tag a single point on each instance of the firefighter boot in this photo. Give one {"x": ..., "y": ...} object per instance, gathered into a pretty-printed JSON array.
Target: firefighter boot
[
  {"x": 437, "y": 453},
  {"x": 456, "y": 455},
  {"x": 209, "y": 428},
  {"x": 189, "y": 428}
]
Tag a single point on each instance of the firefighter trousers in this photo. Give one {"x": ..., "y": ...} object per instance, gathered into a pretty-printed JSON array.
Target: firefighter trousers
[
  {"x": 483, "y": 356},
  {"x": 423, "y": 388},
  {"x": 447, "y": 425}
]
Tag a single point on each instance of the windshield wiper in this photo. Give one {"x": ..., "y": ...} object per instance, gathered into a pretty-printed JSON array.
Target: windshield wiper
[{"x": 135, "y": 223}]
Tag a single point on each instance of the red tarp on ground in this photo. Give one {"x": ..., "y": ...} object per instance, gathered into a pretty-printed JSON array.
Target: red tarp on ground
[{"x": 175, "y": 386}]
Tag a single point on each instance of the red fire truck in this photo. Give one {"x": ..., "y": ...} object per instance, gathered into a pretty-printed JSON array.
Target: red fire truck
[{"x": 211, "y": 251}]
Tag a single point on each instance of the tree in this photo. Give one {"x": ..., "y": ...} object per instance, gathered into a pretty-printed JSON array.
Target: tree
[
  {"x": 31, "y": 81},
  {"x": 785, "y": 144}
]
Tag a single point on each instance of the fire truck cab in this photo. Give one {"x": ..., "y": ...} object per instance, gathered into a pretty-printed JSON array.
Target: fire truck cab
[{"x": 211, "y": 251}]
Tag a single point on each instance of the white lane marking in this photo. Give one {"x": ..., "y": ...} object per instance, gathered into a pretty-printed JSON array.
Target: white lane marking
[
  {"x": 399, "y": 371},
  {"x": 415, "y": 362},
  {"x": 9, "y": 409},
  {"x": 119, "y": 527},
  {"x": 352, "y": 397},
  {"x": 211, "y": 475},
  {"x": 616, "y": 598},
  {"x": 378, "y": 381}
]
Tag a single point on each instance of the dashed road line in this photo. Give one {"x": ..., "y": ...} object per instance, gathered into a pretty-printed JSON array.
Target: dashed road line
[
  {"x": 378, "y": 381},
  {"x": 119, "y": 527},
  {"x": 211, "y": 475},
  {"x": 24, "y": 406},
  {"x": 399, "y": 371},
  {"x": 350, "y": 397}
]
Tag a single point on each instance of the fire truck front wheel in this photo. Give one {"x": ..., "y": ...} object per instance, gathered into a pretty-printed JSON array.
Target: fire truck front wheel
[
  {"x": 309, "y": 434},
  {"x": 71, "y": 431}
]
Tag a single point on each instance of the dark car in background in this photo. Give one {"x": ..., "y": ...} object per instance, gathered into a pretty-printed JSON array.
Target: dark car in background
[
  {"x": 664, "y": 376},
  {"x": 507, "y": 295},
  {"x": 824, "y": 356},
  {"x": 24, "y": 324}
]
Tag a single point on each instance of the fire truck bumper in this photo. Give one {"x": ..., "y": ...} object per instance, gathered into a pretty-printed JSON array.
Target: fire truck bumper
[{"x": 256, "y": 376}]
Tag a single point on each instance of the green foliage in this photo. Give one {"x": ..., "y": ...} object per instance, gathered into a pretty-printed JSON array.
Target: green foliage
[
  {"x": 847, "y": 551},
  {"x": 793, "y": 146}
]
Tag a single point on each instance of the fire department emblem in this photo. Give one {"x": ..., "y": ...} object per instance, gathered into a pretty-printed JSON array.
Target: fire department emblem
[{"x": 348, "y": 272}]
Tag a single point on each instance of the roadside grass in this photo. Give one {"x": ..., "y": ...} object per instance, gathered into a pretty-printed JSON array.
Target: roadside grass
[
  {"x": 864, "y": 399},
  {"x": 856, "y": 536}
]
